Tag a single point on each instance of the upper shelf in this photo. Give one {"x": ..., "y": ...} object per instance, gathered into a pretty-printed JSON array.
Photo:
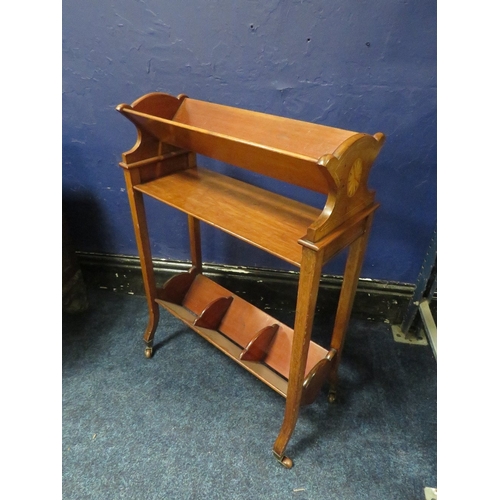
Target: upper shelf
[
  {"x": 268, "y": 221},
  {"x": 324, "y": 159},
  {"x": 278, "y": 147}
]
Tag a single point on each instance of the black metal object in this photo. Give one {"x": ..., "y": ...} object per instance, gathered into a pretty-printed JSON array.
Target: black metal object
[{"x": 425, "y": 289}]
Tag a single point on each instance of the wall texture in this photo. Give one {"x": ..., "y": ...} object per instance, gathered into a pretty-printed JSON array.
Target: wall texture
[{"x": 364, "y": 65}]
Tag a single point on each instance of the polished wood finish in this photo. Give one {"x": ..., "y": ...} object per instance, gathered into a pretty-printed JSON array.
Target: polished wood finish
[
  {"x": 212, "y": 315},
  {"x": 271, "y": 222},
  {"x": 209, "y": 306},
  {"x": 335, "y": 162},
  {"x": 259, "y": 347}
]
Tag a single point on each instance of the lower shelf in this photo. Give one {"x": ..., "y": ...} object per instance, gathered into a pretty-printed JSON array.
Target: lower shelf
[{"x": 256, "y": 341}]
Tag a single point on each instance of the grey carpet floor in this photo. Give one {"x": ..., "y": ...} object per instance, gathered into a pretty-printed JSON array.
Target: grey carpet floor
[{"x": 191, "y": 424}]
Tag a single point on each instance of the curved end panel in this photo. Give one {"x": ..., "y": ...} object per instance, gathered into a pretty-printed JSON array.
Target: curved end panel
[
  {"x": 347, "y": 169},
  {"x": 316, "y": 378},
  {"x": 156, "y": 105},
  {"x": 146, "y": 146}
]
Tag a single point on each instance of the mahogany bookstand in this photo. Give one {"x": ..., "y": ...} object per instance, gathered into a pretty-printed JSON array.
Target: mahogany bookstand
[{"x": 162, "y": 164}]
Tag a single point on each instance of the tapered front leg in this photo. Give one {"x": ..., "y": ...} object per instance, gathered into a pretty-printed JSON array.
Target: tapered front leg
[
  {"x": 144, "y": 248},
  {"x": 347, "y": 293},
  {"x": 310, "y": 274}
]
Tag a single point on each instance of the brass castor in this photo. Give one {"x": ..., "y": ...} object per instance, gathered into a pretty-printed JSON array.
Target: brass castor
[
  {"x": 332, "y": 396},
  {"x": 286, "y": 462},
  {"x": 148, "y": 352}
]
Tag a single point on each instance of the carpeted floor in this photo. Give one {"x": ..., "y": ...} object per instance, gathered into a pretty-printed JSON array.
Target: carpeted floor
[{"x": 191, "y": 424}]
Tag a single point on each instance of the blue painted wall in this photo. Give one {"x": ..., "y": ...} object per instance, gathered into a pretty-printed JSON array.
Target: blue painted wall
[{"x": 364, "y": 65}]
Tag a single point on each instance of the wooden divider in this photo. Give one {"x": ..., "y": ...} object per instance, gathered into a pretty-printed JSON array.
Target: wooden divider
[{"x": 259, "y": 336}]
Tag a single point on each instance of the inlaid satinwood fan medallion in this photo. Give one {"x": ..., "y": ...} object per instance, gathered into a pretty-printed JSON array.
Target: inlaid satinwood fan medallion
[{"x": 354, "y": 178}]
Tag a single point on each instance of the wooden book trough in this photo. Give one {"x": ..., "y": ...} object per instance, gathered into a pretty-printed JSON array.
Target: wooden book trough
[{"x": 334, "y": 162}]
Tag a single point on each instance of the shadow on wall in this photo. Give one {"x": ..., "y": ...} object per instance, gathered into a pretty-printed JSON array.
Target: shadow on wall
[
  {"x": 87, "y": 221},
  {"x": 74, "y": 293}
]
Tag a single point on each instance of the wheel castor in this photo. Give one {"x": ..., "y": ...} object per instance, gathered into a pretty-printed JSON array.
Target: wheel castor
[
  {"x": 332, "y": 396},
  {"x": 148, "y": 352},
  {"x": 286, "y": 462}
]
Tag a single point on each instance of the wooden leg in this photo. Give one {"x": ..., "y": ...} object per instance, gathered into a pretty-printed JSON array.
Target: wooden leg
[
  {"x": 195, "y": 243},
  {"x": 144, "y": 248},
  {"x": 347, "y": 293},
  {"x": 310, "y": 274}
]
